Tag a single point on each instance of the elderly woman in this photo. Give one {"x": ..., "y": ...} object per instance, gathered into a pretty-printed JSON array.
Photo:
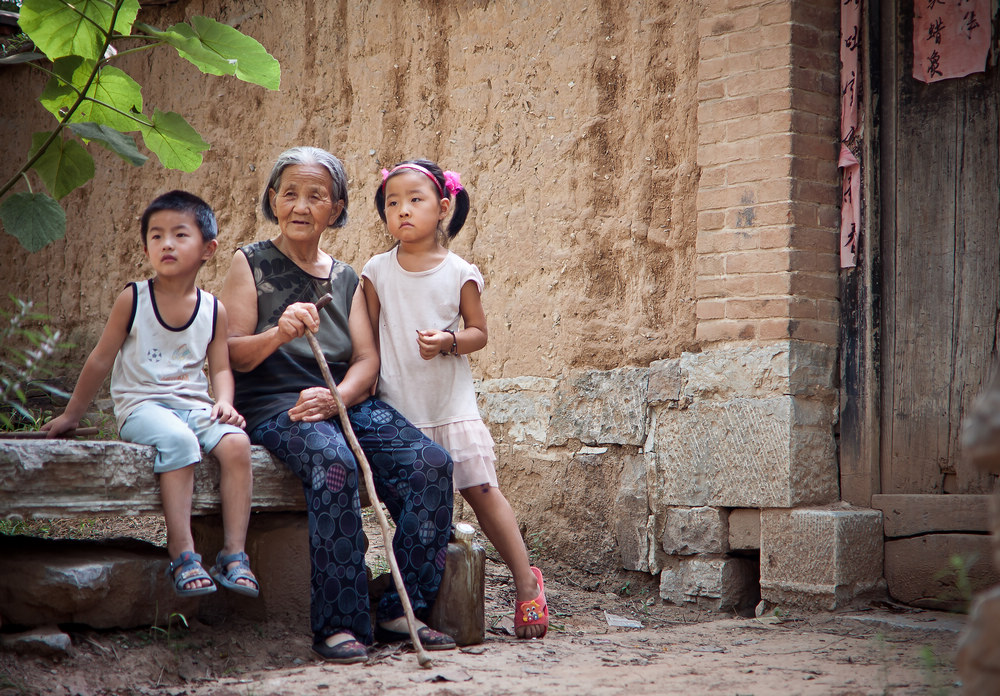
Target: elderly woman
[{"x": 269, "y": 295}]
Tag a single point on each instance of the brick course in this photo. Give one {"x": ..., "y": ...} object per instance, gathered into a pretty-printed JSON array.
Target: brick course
[{"x": 769, "y": 194}]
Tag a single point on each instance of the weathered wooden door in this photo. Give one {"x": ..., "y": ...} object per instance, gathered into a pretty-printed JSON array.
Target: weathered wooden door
[
  {"x": 939, "y": 146},
  {"x": 941, "y": 267}
]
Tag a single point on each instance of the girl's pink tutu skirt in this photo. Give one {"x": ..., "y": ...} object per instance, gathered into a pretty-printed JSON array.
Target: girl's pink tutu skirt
[{"x": 471, "y": 447}]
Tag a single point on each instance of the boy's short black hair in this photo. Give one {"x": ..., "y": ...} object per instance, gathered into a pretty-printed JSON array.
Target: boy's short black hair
[{"x": 183, "y": 202}]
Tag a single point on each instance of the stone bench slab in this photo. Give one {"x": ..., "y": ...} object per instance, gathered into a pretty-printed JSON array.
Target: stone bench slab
[{"x": 91, "y": 478}]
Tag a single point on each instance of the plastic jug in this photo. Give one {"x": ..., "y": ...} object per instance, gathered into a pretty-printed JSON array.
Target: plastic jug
[{"x": 460, "y": 607}]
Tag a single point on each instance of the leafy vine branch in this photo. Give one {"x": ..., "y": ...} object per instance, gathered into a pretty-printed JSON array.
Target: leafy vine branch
[
  {"x": 81, "y": 97},
  {"x": 97, "y": 102}
]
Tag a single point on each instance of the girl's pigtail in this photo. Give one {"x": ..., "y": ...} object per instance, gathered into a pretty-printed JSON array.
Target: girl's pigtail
[
  {"x": 380, "y": 201},
  {"x": 460, "y": 211}
]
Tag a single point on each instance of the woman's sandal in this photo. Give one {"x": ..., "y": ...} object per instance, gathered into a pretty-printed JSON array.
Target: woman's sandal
[
  {"x": 191, "y": 570},
  {"x": 230, "y": 577},
  {"x": 344, "y": 653},
  {"x": 429, "y": 638},
  {"x": 534, "y": 612}
]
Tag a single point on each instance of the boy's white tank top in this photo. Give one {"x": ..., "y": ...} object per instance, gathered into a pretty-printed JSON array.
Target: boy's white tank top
[{"x": 162, "y": 363}]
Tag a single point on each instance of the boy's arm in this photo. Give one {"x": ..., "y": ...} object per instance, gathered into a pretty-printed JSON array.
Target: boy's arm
[
  {"x": 98, "y": 365},
  {"x": 221, "y": 377}
]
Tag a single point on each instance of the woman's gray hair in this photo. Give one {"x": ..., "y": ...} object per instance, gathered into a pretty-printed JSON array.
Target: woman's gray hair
[{"x": 307, "y": 155}]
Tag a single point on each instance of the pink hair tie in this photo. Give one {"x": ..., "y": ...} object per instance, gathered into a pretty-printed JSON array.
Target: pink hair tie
[{"x": 452, "y": 182}]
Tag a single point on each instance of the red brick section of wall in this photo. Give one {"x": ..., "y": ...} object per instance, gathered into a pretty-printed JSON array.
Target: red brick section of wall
[{"x": 768, "y": 199}]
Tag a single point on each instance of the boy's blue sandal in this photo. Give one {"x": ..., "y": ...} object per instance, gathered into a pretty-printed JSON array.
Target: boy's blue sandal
[
  {"x": 230, "y": 577},
  {"x": 191, "y": 570}
]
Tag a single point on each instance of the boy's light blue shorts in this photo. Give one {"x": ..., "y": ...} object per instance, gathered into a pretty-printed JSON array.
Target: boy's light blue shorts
[{"x": 179, "y": 436}]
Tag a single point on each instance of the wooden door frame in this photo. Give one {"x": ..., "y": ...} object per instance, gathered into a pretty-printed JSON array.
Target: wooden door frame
[{"x": 861, "y": 287}]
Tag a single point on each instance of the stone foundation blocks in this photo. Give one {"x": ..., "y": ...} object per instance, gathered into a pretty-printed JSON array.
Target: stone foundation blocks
[
  {"x": 600, "y": 407},
  {"x": 745, "y": 427},
  {"x": 744, "y": 529},
  {"x": 632, "y": 519},
  {"x": 693, "y": 530},
  {"x": 714, "y": 582},
  {"x": 278, "y": 547},
  {"x": 101, "y": 585},
  {"x": 820, "y": 558}
]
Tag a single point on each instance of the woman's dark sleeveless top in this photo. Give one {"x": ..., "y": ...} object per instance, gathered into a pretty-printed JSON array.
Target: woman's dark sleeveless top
[{"x": 274, "y": 385}]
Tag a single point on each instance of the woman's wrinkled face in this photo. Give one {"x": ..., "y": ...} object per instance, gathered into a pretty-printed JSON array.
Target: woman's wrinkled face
[{"x": 303, "y": 203}]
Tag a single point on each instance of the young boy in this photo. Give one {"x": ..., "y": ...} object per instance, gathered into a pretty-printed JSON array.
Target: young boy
[{"x": 159, "y": 335}]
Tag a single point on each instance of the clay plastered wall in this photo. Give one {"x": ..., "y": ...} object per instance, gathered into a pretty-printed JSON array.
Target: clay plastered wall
[{"x": 572, "y": 124}]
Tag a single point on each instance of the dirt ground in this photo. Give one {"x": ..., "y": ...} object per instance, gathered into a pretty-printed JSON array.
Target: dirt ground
[{"x": 878, "y": 649}]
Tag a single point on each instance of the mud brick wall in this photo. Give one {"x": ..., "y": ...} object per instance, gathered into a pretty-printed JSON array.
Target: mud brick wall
[{"x": 655, "y": 209}]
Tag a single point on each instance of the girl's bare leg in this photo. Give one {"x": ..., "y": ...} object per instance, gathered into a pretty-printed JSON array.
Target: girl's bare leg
[{"x": 497, "y": 520}]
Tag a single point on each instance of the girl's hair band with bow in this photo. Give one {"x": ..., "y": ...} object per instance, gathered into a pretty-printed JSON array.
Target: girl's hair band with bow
[{"x": 452, "y": 180}]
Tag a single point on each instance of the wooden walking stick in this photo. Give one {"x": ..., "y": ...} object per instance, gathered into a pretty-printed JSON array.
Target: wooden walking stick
[{"x": 345, "y": 424}]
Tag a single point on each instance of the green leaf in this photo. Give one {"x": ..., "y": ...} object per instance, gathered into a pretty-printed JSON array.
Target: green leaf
[
  {"x": 116, "y": 141},
  {"x": 174, "y": 141},
  {"x": 34, "y": 218},
  {"x": 116, "y": 89},
  {"x": 219, "y": 49},
  {"x": 63, "y": 29},
  {"x": 58, "y": 94},
  {"x": 111, "y": 87},
  {"x": 63, "y": 166},
  {"x": 189, "y": 46}
]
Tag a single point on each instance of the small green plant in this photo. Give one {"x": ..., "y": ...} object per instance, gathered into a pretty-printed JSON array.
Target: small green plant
[
  {"x": 12, "y": 527},
  {"x": 378, "y": 565},
  {"x": 28, "y": 349},
  {"x": 107, "y": 429},
  {"x": 933, "y": 674},
  {"x": 536, "y": 545},
  {"x": 34, "y": 528},
  {"x": 958, "y": 571},
  {"x": 18, "y": 43},
  {"x": 166, "y": 632}
]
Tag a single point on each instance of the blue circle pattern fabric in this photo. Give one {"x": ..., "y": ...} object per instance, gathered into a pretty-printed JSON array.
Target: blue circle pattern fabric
[{"x": 413, "y": 478}]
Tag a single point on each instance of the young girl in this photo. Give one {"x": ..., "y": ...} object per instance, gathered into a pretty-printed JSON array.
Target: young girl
[{"x": 416, "y": 293}]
